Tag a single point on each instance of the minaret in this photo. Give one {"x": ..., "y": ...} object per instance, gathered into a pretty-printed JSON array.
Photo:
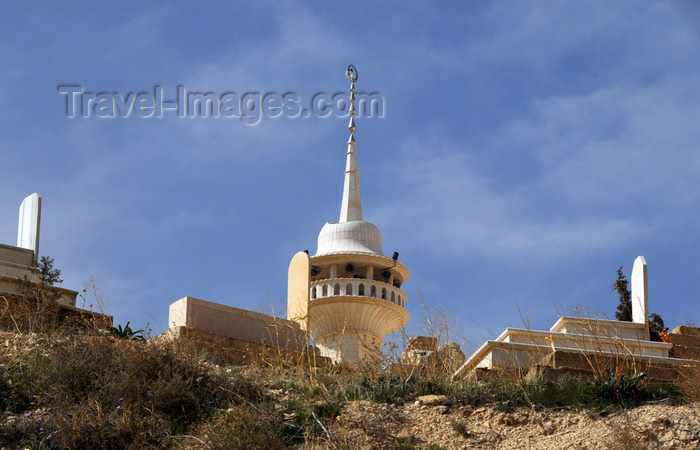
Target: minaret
[{"x": 355, "y": 295}]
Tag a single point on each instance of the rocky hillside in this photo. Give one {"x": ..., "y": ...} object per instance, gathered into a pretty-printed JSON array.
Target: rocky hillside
[{"x": 91, "y": 390}]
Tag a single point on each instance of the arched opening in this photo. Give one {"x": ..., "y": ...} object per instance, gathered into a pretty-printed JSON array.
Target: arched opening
[
  {"x": 383, "y": 293},
  {"x": 324, "y": 291},
  {"x": 348, "y": 289},
  {"x": 373, "y": 292},
  {"x": 393, "y": 297},
  {"x": 313, "y": 292},
  {"x": 336, "y": 289},
  {"x": 361, "y": 290}
]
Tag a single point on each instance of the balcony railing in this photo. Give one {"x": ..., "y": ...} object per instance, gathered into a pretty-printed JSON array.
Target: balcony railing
[{"x": 357, "y": 287}]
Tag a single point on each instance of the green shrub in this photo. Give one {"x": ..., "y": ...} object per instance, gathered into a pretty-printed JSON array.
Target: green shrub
[
  {"x": 126, "y": 332},
  {"x": 619, "y": 388},
  {"x": 15, "y": 390}
]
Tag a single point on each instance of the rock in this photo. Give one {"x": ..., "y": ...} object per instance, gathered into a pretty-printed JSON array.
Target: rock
[
  {"x": 548, "y": 428},
  {"x": 451, "y": 356},
  {"x": 467, "y": 410},
  {"x": 404, "y": 436},
  {"x": 507, "y": 420},
  {"x": 432, "y": 400},
  {"x": 405, "y": 439},
  {"x": 420, "y": 350},
  {"x": 649, "y": 436},
  {"x": 665, "y": 422},
  {"x": 442, "y": 409}
]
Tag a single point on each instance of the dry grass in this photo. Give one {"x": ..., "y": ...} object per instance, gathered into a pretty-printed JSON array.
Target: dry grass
[
  {"x": 20, "y": 314},
  {"x": 66, "y": 387},
  {"x": 35, "y": 308},
  {"x": 94, "y": 391}
]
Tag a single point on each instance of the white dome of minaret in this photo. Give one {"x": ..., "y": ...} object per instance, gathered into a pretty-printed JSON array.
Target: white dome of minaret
[{"x": 354, "y": 290}]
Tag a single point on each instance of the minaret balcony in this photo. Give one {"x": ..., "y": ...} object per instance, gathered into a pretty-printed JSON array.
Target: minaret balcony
[{"x": 356, "y": 287}]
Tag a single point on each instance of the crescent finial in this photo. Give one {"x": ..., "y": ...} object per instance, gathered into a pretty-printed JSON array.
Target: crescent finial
[{"x": 351, "y": 73}]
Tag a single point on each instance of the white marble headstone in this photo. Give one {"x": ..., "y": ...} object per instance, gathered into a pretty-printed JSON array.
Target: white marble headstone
[
  {"x": 29, "y": 224},
  {"x": 640, "y": 291}
]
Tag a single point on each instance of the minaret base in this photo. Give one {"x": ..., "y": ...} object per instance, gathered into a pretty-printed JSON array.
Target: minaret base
[{"x": 350, "y": 348}]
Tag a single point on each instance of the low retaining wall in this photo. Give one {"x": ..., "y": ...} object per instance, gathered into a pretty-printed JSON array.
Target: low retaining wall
[
  {"x": 229, "y": 322},
  {"x": 227, "y": 350}
]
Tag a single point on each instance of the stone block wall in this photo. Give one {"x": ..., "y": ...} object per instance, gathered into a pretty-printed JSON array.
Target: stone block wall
[{"x": 686, "y": 341}]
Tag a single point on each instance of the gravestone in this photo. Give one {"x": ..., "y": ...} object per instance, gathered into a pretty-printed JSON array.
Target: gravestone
[
  {"x": 29, "y": 224},
  {"x": 640, "y": 292}
]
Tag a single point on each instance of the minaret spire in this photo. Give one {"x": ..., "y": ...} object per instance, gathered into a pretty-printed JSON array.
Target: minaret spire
[{"x": 351, "y": 206}]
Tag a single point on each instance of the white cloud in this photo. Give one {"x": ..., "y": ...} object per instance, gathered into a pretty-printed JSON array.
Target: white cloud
[
  {"x": 628, "y": 145},
  {"x": 448, "y": 207},
  {"x": 611, "y": 167}
]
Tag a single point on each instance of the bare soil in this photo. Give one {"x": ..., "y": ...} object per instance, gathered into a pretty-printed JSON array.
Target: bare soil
[{"x": 658, "y": 426}]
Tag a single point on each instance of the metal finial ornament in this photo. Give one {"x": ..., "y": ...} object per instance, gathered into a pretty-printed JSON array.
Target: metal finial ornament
[{"x": 351, "y": 73}]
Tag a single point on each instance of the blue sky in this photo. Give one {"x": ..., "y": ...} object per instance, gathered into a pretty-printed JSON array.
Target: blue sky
[{"x": 527, "y": 150}]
